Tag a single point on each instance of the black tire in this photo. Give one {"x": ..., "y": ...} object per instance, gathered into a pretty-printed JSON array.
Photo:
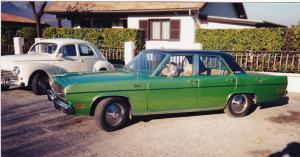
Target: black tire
[
  {"x": 40, "y": 83},
  {"x": 4, "y": 87},
  {"x": 103, "y": 69},
  {"x": 239, "y": 105},
  {"x": 107, "y": 109}
]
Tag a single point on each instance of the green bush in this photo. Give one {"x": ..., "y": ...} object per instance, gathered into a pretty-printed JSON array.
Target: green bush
[
  {"x": 7, "y": 35},
  {"x": 255, "y": 39},
  {"x": 106, "y": 37},
  {"x": 295, "y": 39},
  {"x": 28, "y": 33}
]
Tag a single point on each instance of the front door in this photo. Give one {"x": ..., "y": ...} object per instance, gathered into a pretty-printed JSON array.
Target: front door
[
  {"x": 216, "y": 82},
  {"x": 175, "y": 87},
  {"x": 70, "y": 61}
]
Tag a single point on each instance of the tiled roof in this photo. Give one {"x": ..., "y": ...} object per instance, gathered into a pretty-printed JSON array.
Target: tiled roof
[
  {"x": 14, "y": 18},
  {"x": 121, "y": 6},
  {"x": 241, "y": 21}
]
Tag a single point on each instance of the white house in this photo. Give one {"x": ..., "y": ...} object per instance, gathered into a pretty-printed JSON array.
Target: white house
[{"x": 166, "y": 24}]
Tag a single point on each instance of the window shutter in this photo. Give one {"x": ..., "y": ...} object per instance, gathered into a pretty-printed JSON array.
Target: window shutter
[
  {"x": 143, "y": 24},
  {"x": 175, "y": 30}
]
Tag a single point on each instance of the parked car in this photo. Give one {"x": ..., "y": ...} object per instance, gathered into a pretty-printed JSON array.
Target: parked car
[
  {"x": 164, "y": 81},
  {"x": 48, "y": 57}
]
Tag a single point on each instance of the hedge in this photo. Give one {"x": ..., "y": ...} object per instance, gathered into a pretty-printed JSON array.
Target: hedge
[
  {"x": 28, "y": 33},
  {"x": 255, "y": 39},
  {"x": 106, "y": 37}
]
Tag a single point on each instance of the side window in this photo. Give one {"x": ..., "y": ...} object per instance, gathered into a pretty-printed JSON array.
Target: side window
[
  {"x": 178, "y": 66},
  {"x": 212, "y": 65},
  {"x": 68, "y": 50},
  {"x": 85, "y": 50}
]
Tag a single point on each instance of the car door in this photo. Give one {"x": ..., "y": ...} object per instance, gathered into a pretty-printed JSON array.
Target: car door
[
  {"x": 69, "y": 60},
  {"x": 168, "y": 94},
  {"x": 216, "y": 81},
  {"x": 87, "y": 56}
]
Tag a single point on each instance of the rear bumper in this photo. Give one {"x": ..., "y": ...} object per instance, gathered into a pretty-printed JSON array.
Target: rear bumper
[{"x": 59, "y": 104}]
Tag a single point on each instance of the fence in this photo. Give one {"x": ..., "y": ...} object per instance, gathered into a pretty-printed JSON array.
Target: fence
[
  {"x": 115, "y": 55},
  {"x": 8, "y": 48},
  {"x": 268, "y": 61}
]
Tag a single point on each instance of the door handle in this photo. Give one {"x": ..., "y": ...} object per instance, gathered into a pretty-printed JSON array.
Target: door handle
[
  {"x": 229, "y": 80},
  {"x": 137, "y": 85},
  {"x": 192, "y": 81},
  {"x": 80, "y": 60}
]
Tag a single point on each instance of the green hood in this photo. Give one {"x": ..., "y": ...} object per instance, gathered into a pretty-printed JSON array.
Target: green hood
[{"x": 92, "y": 82}]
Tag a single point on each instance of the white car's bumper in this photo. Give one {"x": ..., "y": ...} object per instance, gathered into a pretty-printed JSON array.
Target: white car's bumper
[{"x": 8, "y": 79}]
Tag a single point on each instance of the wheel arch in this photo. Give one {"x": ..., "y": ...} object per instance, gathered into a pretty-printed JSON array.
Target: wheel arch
[
  {"x": 103, "y": 65},
  {"x": 100, "y": 98},
  {"x": 36, "y": 72}
]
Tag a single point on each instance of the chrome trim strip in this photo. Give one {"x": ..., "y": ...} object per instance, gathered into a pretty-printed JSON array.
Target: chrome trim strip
[{"x": 178, "y": 111}]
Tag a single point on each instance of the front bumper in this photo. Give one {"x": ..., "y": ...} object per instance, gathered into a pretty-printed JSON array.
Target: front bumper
[
  {"x": 7, "y": 82},
  {"x": 59, "y": 104}
]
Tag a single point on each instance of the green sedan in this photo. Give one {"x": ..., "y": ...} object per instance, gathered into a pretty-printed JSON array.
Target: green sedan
[{"x": 164, "y": 81}]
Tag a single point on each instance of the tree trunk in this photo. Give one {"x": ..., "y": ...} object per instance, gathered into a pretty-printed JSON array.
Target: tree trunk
[{"x": 37, "y": 27}]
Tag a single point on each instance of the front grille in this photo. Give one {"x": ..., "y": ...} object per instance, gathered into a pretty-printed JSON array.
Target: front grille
[{"x": 8, "y": 75}]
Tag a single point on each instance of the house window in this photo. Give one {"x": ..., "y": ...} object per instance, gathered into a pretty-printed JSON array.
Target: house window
[{"x": 161, "y": 29}]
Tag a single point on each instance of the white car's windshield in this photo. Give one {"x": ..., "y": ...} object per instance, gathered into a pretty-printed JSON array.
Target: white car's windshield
[
  {"x": 44, "y": 48},
  {"x": 146, "y": 62}
]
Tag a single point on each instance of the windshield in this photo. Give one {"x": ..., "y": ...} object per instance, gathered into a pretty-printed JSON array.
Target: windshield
[
  {"x": 146, "y": 62},
  {"x": 44, "y": 48}
]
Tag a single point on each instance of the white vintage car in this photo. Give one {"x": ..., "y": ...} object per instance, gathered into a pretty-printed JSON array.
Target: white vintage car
[{"x": 49, "y": 57}]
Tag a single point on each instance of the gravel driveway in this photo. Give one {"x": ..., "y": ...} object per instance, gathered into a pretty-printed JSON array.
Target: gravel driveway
[{"x": 32, "y": 127}]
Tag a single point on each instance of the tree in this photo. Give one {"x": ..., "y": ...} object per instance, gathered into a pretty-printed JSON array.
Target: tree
[{"x": 38, "y": 12}]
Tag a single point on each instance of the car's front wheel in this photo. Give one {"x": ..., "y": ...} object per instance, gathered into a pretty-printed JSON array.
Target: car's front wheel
[
  {"x": 40, "y": 83},
  {"x": 112, "y": 113},
  {"x": 239, "y": 105}
]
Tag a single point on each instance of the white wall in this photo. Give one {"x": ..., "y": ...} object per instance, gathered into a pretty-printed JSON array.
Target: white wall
[
  {"x": 219, "y": 9},
  {"x": 293, "y": 80},
  {"x": 215, "y": 25},
  {"x": 187, "y": 32}
]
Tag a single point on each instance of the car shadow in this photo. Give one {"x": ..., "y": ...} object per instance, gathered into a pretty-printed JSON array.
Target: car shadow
[
  {"x": 147, "y": 118},
  {"x": 292, "y": 150},
  {"x": 276, "y": 103},
  {"x": 280, "y": 102}
]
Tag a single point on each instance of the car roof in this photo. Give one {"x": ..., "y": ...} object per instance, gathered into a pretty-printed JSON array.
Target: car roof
[
  {"x": 63, "y": 41},
  {"x": 171, "y": 51}
]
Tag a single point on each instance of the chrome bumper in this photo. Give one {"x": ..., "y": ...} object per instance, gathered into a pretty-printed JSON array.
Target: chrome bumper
[
  {"x": 60, "y": 104},
  {"x": 11, "y": 83}
]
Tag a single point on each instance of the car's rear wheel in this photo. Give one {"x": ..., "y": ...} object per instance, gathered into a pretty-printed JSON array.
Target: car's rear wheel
[
  {"x": 40, "y": 83},
  {"x": 112, "y": 114},
  {"x": 239, "y": 105}
]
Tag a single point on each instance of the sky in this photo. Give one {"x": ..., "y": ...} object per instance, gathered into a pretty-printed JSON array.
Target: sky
[{"x": 283, "y": 13}]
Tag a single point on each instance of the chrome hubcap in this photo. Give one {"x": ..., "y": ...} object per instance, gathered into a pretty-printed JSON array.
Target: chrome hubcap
[
  {"x": 239, "y": 103},
  {"x": 113, "y": 114}
]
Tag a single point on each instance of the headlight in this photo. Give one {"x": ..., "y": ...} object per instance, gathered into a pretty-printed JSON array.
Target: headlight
[{"x": 16, "y": 70}]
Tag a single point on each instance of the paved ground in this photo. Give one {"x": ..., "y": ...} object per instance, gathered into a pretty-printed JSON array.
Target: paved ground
[{"x": 32, "y": 127}]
